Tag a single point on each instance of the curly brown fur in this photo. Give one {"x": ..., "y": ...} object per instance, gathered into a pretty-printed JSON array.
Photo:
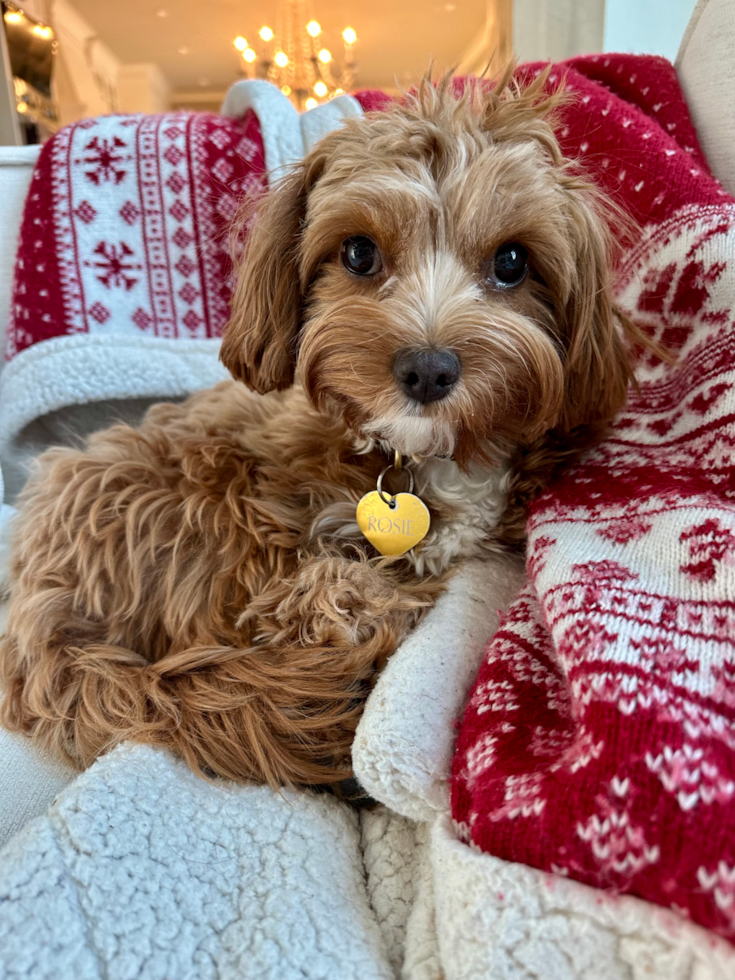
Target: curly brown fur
[
  {"x": 166, "y": 591},
  {"x": 200, "y": 583}
]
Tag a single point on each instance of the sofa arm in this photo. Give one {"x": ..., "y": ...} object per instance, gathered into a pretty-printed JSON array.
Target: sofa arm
[
  {"x": 16, "y": 171},
  {"x": 706, "y": 69}
]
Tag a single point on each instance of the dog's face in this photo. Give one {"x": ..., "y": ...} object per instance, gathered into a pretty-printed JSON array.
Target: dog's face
[{"x": 440, "y": 274}]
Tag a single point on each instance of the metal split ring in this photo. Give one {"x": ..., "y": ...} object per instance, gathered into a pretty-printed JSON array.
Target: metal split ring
[{"x": 396, "y": 465}]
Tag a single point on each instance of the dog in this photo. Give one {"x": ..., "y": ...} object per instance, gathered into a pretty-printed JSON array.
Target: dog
[{"x": 428, "y": 289}]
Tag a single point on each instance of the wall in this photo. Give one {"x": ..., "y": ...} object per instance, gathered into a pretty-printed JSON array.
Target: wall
[
  {"x": 491, "y": 50},
  {"x": 85, "y": 74},
  {"x": 646, "y": 26},
  {"x": 198, "y": 101},
  {"x": 88, "y": 69},
  {"x": 34, "y": 8},
  {"x": 557, "y": 29},
  {"x": 89, "y": 79},
  {"x": 142, "y": 88}
]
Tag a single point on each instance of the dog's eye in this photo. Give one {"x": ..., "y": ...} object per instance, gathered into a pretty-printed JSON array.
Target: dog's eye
[
  {"x": 507, "y": 268},
  {"x": 361, "y": 256}
]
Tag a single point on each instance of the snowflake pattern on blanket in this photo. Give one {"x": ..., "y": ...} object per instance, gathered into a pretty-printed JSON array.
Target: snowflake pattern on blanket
[
  {"x": 126, "y": 227},
  {"x": 599, "y": 739}
]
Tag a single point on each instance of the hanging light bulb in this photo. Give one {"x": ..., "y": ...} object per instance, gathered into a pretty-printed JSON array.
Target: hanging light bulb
[
  {"x": 40, "y": 30},
  {"x": 13, "y": 16},
  {"x": 294, "y": 57}
]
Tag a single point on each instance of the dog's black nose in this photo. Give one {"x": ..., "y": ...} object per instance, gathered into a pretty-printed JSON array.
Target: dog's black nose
[{"x": 427, "y": 375}]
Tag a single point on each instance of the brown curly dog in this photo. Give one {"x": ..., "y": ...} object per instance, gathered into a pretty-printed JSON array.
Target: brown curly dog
[{"x": 432, "y": 280}]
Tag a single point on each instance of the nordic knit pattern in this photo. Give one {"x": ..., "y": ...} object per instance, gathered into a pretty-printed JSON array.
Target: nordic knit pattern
[
  {"x": 124, "y": 267},
  {"x": 126, "y": 227},
  {"x": 598, "y": 742}
]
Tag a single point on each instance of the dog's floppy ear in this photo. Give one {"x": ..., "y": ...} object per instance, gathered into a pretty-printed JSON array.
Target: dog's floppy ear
[
  {"x": 261, "y": 337},
  {"x": 598, "y": 366}
]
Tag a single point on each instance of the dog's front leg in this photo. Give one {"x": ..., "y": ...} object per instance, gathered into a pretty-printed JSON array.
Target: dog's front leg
[{"x": 319, "y": 639}]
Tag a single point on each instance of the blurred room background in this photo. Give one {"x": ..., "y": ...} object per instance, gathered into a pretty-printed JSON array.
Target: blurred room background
[{"x": 63, "y": 60}]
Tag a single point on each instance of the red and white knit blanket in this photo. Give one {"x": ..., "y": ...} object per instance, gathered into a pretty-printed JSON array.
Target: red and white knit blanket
[
  {"x": 599, "y": 740},
  {"x": 127, "y": 218},
  {"x": 123, "y": 273}
]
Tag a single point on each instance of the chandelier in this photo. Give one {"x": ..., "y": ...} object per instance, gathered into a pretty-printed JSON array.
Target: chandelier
[{"x": 295, "y": 58}]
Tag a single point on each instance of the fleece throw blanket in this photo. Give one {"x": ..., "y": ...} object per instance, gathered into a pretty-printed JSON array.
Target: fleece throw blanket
[{"x": 142, "y": 870}]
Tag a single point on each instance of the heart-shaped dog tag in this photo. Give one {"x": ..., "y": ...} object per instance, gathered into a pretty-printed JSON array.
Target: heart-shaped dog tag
[{"x": 393, "y": 525}]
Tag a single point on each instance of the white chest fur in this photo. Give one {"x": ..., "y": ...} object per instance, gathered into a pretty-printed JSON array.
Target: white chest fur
[{"x": 471, "y": 506}]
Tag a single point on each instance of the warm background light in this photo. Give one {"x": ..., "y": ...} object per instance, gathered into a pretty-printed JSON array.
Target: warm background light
[
  {"x": 40, "y": 31},
  {"x": 295, "y": 56},
  {"x": 13, "y": 16}
]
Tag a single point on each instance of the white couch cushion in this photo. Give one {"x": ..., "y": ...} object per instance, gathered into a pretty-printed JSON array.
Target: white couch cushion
[
  {"x": 16, "y": 170},
  {"x": 706, "y": 68}
]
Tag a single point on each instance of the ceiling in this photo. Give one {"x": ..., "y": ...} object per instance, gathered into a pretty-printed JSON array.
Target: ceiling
[{"x": 191, "y": 40}]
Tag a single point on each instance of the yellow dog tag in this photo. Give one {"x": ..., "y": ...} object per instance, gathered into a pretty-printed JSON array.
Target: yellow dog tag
[{"x": 393, "y": 525}]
